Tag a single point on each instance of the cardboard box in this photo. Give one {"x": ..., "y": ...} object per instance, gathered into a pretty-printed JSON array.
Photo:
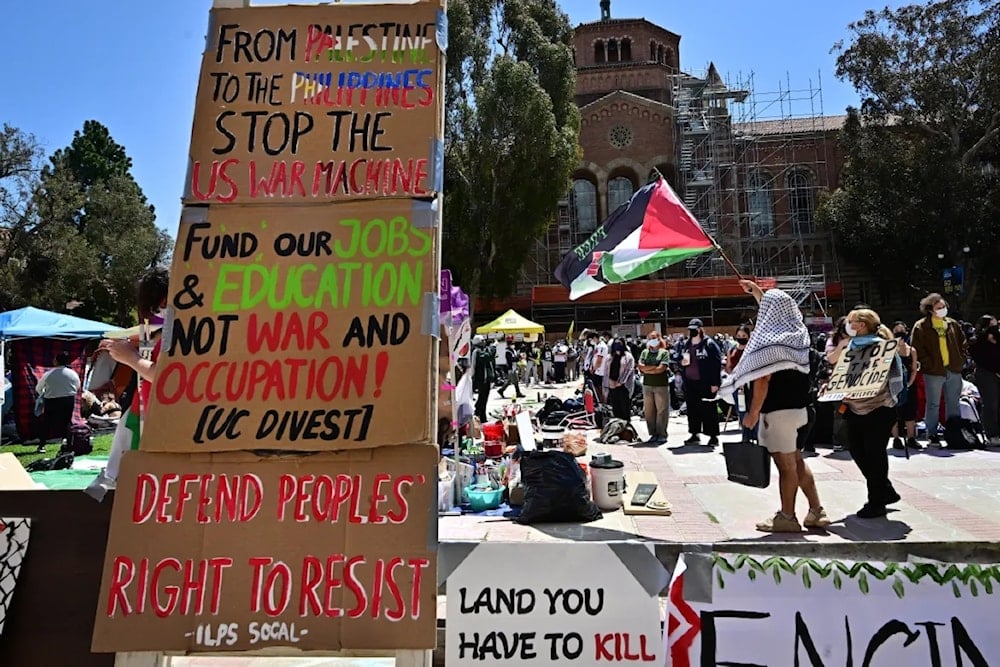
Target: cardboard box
[
  {"x": 315, "y": 336},
  {"x": 13, "y": 476},
  {"x": 318, "y": 104},
  {"x": 321, "y": 552}
]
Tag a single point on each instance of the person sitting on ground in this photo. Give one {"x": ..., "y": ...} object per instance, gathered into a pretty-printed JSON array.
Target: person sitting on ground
[{"x": 776, "y": 361}]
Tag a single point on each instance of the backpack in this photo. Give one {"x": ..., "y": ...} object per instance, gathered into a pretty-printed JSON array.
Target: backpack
[
  {"x": 79, "y": 442},
  {"x": 617, "y": 430},
  {"x": 819, "y": 372},
  {"x": 552, "y": 404},
  {"x": 962, "y": 434}
]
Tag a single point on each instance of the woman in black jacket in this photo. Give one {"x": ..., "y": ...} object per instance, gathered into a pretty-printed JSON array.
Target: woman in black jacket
[{"x": 701, "y": 364}]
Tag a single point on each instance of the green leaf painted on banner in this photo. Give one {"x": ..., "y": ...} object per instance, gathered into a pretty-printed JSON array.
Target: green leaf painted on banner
[
  {"x": 898, "y": 589},
  {"x": 806, "y": 579},
  {"x": 863, "y": 583},
  {"x": 837, "y": 583},
  {"x": 955, "y": 589}
]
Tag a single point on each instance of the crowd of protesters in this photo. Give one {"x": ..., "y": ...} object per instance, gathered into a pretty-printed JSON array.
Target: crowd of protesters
[{"x": 773, "y": 371}]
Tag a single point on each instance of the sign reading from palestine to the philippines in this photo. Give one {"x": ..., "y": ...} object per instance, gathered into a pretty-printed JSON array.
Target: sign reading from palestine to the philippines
[{"x": 301, "y": 104}]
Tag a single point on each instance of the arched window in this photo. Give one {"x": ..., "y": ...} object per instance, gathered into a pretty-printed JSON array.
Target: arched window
[
  {"x": 800, "y": 202},
  {"x": 659, "y": 53},
  {"x": 599, "y": 56},
  {"x": 626, "y": 50},
  {"x": 612, "y": 51},
  {"x": 760, "y": 205},
  {"x": 668, "y": 57},
  {"x": 652, "y": 50},
  {"x": 619, "y": 191},
  {"x": 583, "y": 206}
]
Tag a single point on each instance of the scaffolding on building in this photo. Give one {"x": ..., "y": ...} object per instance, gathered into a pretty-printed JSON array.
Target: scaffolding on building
[{"x": 752, "y": 166}]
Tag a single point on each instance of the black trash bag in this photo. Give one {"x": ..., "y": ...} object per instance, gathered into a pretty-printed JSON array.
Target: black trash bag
[
  {"x": 61, "y": 462},
  {"x": 555, "y": 489}
]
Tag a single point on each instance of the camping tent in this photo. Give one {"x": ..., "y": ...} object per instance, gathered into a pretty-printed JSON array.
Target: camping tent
[
  {"x": 36, "y": 323},
  {"x": 511, "y": 323},
  {"x": 35, "y": 336}
]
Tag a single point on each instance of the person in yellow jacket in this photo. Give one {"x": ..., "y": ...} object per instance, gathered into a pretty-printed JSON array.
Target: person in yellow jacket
[{"x": 942, "y": 350}]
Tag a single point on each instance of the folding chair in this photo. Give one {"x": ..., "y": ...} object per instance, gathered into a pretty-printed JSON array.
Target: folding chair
[{"x": 587, "y": 418}]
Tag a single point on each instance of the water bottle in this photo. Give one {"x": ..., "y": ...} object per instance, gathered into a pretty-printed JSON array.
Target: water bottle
[{"x": 741, "y": 401}]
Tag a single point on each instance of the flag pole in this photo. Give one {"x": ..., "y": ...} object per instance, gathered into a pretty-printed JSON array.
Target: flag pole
[{"x": 715, "y": 244}]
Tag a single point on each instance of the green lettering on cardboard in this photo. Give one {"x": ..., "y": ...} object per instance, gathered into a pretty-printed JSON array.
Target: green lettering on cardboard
[
  {"x": 349, "y": 268},
  {"x": 355, "y": 226},
  {"x": 377, "y": 225},
  {"x": 222, "y": 285}
]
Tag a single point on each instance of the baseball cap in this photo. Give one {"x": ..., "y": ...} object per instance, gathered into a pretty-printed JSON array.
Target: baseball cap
[{"x": 695, "y": 324}]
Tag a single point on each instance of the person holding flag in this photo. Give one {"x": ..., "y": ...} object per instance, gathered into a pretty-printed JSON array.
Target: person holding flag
[{"x": 776, "y": 361}]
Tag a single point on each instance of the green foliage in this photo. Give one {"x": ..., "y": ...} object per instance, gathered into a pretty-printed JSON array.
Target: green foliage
[
  {"x": 923, "y": 152},
  {"x": 77, "y": 230},
  {"x": 511, "y": 135}
]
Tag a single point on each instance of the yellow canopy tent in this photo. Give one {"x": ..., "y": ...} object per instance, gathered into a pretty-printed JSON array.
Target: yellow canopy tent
[{"x": 511, "y": 323}]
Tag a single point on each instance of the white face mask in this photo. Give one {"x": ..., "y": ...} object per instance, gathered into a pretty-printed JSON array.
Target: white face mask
[
  {"x": 941, "y": 313},
  {"x": 851, "y": 331},
  {"x": 653, "y": 344}
]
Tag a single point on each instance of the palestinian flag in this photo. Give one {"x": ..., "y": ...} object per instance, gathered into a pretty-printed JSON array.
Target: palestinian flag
[{"x": 652, "y": 231}]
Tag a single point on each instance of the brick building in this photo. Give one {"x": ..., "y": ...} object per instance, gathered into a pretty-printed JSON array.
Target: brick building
[{"x": 751, "y": 175}]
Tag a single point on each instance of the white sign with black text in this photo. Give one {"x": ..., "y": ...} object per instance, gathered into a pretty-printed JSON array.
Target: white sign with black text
[
  {"x": 545, "y": 604},
  {"x": 757, "y": 610}
]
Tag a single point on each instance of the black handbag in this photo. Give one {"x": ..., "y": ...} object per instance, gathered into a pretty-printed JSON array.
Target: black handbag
[{"x": 747, "y": 463}]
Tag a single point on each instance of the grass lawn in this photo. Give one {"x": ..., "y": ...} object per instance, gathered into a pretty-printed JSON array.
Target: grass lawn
[{"x": 27, "y": 453}]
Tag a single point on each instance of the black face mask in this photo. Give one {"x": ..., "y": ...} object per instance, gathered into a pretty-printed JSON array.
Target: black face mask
[
  {"x": 742, "y": 341},
  {"x": 899, "y": 334}
]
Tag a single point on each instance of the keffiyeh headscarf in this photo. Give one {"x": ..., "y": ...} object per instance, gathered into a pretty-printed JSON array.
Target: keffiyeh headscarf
[{"x": 780, "y": 341}]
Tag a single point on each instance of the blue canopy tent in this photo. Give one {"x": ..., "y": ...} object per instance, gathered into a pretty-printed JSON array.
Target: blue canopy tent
[
  {"x": 37, "y": 323},
  {"x": 35, "y": 336}
]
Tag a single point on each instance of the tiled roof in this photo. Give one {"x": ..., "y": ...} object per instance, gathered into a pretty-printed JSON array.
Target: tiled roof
[{"x": 791, "y": 126}]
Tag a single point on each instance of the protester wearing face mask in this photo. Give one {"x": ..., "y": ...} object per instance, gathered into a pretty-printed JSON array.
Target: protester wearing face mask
[
  {"x": 654, "y": 364},
  {"x": 985, "y": 351},
  {"x": 619, "y": 379},
  {"x": 744, "y": 395},
  {"x": 906, "y": 410},
  {"x": 701, "y": 362},
  {"x": 942, "y": 349},
  {"x": 870, "y": 420}
]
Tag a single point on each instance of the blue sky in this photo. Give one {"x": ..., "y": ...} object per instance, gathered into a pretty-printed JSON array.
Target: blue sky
[{"x": 133, "y": 65}]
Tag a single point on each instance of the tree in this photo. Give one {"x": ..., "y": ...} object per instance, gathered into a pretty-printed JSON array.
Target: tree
[
  {"x": 511, "y": 135},
  {"x": 922, "y": 151},
  {"x": 85, "y": 233}
]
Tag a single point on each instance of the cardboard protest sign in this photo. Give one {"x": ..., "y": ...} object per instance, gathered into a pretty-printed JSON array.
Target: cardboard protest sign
[
  {"x": 861, "y": 373},
  {"x": 544, "y": 604},
  {"x": 14, "y": 535},
  {"x": 319, "y": 103},
  {"x": 753, "y": 610},
  {"x": 313, "y": 334},
  {"x": 233, "y": 552}
]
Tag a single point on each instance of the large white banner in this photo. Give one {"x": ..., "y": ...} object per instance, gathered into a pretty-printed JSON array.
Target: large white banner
[
  {"x": 577, "y": 604},
  {"x": 13, "y": 545},
  {"x": 754, "y": 611}
]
